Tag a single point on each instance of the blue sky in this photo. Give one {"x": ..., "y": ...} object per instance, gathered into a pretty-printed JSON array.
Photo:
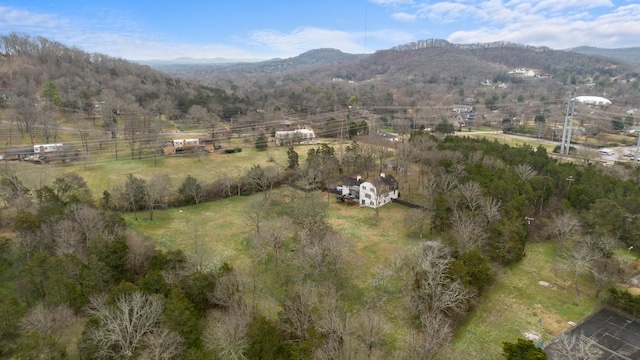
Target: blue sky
[{"x": 244, "y": 29}]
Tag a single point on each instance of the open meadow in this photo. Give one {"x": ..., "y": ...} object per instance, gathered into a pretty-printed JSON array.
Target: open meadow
[{"x": 515, "y": 304}]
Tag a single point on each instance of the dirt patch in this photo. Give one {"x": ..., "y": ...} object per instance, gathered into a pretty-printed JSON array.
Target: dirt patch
[{"x": 553, "y": 324}]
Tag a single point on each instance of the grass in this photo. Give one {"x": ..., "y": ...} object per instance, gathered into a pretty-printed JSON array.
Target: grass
[
  {"x": 212, "y": 230},
  {"x": 104, "y": 172},
  {"x": 510, "y": 140},
  {"x": 518, "y": 304},
  {"x": 515, "y": 304}
]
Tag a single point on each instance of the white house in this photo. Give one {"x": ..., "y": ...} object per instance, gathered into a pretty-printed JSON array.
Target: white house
[
  {"x": 374, "y": 193},
  {"x": 379, "y": 191},
  {"x": 350, "y": 188}
]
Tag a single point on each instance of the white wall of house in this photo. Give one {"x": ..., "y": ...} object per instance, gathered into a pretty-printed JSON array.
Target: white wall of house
[{"x": 370, "y": 197}]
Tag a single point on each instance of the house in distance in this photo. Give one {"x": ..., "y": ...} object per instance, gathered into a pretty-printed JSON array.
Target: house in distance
[{"x": 293, "y": 136}]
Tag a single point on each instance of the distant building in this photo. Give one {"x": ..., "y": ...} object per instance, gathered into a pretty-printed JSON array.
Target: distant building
[
  {"x": 293, "y": 136},
  {"x": 388, "y": 136},
  {"x": 592, "y": 100},
  {"x": 462, "y": 108}
]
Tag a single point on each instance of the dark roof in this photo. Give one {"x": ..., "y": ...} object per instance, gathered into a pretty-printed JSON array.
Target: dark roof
[
  {"x": 385, "y": 180},
  {"x": 350, "y": 181},
  {"x": 18, "y": 151}
]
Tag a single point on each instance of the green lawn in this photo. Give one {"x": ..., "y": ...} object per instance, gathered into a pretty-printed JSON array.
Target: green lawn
[{"x": 518, "y": 304}]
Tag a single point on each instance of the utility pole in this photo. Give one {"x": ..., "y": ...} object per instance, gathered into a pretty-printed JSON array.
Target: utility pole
[
  {"x": 573, "y": 108},
  {"x": 566, "y": 132},
  {"x": 564, "y": 128}
]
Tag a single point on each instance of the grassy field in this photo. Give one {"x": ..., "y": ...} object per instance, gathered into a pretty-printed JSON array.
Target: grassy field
[
  {"x": 514, "y": 305},
  {"x": 509, "y": 140},
  {"x": 517, "y": 304},
  {"x": 104, "y": 172}
]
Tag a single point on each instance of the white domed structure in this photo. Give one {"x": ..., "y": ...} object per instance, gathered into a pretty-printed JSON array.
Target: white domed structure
[{"x": 592, "y": 100}]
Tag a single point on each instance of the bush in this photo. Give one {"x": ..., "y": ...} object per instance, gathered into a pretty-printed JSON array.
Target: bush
[
  {"x": 237, "y": 149},
  {"x": 229, "y": 151}
]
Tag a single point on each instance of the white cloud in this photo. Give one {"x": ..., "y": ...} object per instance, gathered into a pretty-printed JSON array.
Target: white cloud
[
  {"x": 444, "y": 12},
  {"x": 404, "y": 17},
  {"x": 12, "y": 18},
  {"x": 616, "y": 29}
]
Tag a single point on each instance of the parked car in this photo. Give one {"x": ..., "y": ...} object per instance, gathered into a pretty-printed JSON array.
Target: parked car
[{"x": 606, "y": 152}]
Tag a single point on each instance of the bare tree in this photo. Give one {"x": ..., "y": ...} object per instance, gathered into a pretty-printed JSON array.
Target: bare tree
[
  {"x": 404, "y": 156},
  {"x": 141, "y": 249},
  {"x": 261, "y": 178},
  {"x": 491, "y": 208},
  {"x": 525, "y": 171},
  {"x": 47, "y": 122},
  {"x": 226, "y": 293},
  {"x": 48, "y": 320},
  {"x": 572, "y": 346},
  {"x": 84, "y": 132},
  {"x": 577, "y": 261},
  {"x": 133, "y": 127},
  {"x": 418, "y": 219},
  {"x": 447, "y": 182},
  {"x": 226, "y": 331},
  {"x": 586, "y": 154},
  {"x": 370, "y": 328},
  {"x": 297, "y": 310},
  {"x": 468, "y": 229},
  {"x": 89, "y": 220},
  {"x": 121, "y": 327},
  {"x": 472, "y": 192},
  {"x": 155, "y": 192},
  {"x": 162, "y": 344},
  {"x": 322, "y": 257},
  {"x": 434, "y": 296},
  {"x": 67, "y": 237},
  {"x": 132, "y": 195},
  {"x": 604, "y": 267},
  {"x": 27, "y": 116},
  {"x": 564, "y": 226},
  {"x": 256, "y": 211}
]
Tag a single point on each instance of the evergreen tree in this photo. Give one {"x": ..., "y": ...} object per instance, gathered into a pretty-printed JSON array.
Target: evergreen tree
[
  {"x": 261, "y": 142},
  {"x": 182, "y": 317},
  {"x": 50, "y": 92},
  {"x": 522, "y": 350},
  {"x": 292, "y": 156}
]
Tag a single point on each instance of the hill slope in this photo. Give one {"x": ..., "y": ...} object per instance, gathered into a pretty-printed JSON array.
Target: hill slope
[{"x": 631, "y": 55}]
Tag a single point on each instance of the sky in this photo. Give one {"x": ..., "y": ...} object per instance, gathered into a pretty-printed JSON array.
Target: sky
[{"x": 259, "y": 29}]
